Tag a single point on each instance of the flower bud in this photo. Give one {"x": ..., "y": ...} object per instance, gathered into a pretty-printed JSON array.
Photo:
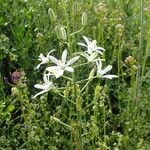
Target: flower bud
[
  {"x": 135, "y": 68},
  {"x": 51, "y": 14},
  {"x": 130, "y": 60},
  {"x": 57, "y": 31},
  {"x": 63, "y": 34},
  {"x": 84, "y": 19},
  {"x": 91, "y": 75}
]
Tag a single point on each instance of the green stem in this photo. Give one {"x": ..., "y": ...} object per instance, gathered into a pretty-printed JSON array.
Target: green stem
[
  {"x": 79, "y": 117},
  {"x": 76, "y": 31},
  {"x": 138, "y": 76}
]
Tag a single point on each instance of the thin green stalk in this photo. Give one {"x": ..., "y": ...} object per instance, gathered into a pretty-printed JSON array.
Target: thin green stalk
[
  {"x": 138, "y": 76},
  {"x": 104, "y": 125},
  {"x": 79, "y": 117},
  {"x": 67, "y": 23}
]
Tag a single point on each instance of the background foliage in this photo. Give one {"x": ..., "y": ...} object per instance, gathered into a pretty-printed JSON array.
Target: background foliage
[{"x": 114, "y": 115}]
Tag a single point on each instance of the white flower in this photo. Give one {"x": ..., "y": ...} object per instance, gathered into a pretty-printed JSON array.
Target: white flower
[
  {"x": 102, "y": 72},
  {"x": 43, "y": 59},
  {"x": 91, "y": 46},
  {"x": 62, "y": 65},
  {"x": 45, "y": 87}
]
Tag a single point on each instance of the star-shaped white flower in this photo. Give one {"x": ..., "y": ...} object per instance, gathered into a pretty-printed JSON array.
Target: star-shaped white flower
[
  {"x": 45, "y": 87},
  {"x": 43, "y": 59},
  {"x": 102, "y": 72},
  {"x": 91, "y": 46},
  {"x": 61, "y": 65}
]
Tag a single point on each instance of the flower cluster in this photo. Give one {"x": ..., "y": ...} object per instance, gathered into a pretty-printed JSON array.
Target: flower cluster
[{"x": 61, "y": 65}]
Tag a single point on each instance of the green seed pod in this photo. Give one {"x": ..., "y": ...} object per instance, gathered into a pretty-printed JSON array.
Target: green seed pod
[
  {"x": 57, "y": 31},
  {"x": 63, "y": 34},
  {"x": 84, "y": 19},
  {"x": 91, "y": 75},
  {"x": 51, "y": 14}
]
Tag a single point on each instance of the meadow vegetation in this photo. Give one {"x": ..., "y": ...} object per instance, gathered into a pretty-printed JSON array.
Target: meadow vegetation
[{"x": 81, "y": 108}]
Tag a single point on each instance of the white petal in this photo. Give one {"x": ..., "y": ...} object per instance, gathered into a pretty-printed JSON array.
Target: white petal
[
  {"x": 85, "y": 55},
  {"x": 70, "y": 69},
  {"x": 110, "y": 76},
  {"x": 54, "y": 60},
  {"x": 98, "y": 51},
  {"x": 41, "y": 57},
  {"x": 38, "y": 66},
  {"x": 71, "y": 61},
  {"x": 45, "y": 78},
  {"x": 99, "y": 64},
  {"x": 50, "y": 52},
  {"x": 92, "y": 57},
  {"x": 82, "y": 44},
  {"x": 43, "y": 91},
  {"x": 64, "y": 56},
  {"x": 93, "y": 43},
  {"x": 52, "y": 68},
  {"x": 39, "y": 86},
  {"x": 86, "y": 40},
  {"x": 58, "y": 73},
  {"x": 99, "y": 48},
  {"x": 108, "y": 68}
]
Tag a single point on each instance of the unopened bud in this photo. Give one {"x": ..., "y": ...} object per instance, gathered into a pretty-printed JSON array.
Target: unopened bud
[
  {"x": 91, "y": 75},
  {"x": 84, "y": 19},
  {"x": 130, "y": 60},
  {"x": 57, "y": 31},
  {"x": 134, "y": 67},
  {"x": 63, "y": 34},
  {"x": 51, "y": 14}
]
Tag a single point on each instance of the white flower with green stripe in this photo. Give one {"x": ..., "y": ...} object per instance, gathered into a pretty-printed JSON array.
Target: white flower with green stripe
[
  {"x": 45, "y": 87},
  {"x": 91, "y": 46},
  {"x": 61, "y": 65},
  {"x": 102, "y": 72}
]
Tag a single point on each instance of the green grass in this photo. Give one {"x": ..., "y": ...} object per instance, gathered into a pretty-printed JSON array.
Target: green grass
[{"x": 101, "y": 114}]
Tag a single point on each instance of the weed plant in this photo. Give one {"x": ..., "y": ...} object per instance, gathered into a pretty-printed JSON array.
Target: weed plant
[{"x": 93, "y": 114}]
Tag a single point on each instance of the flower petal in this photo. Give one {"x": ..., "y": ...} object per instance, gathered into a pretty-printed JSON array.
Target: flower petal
[
  {"x": 54, "y": 60},
  {"x": 43, "y": 91},
  {"x": 71, "y": 61},
  {"x": 99, "y": 64},
  {"x": 98, "y": 51},
  {"x": 64, "y": 56},
  {"x": 92, "y": 57},
  {"x": 85, "y": 55},
  {"x": 39, "y": 86},
  {"x": 46, "y": 78},
  {"x": 99, "y": 48},
  {"x": 110, "y": 76},
  {"x": 50, "y": 52},
  {"x": 58, "y": 73},
  {"x": 93, "y": 43},
  {"x": 38, "y": 66},
  {"x": 82, "y": 44},
  {"x": 70, "y": 69},
  {"x": 108, "y": 68},
  {"x": 86, "y": 40},
  {"x": 41, "y": 57},
  {"x": 52, "y": 68}
]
